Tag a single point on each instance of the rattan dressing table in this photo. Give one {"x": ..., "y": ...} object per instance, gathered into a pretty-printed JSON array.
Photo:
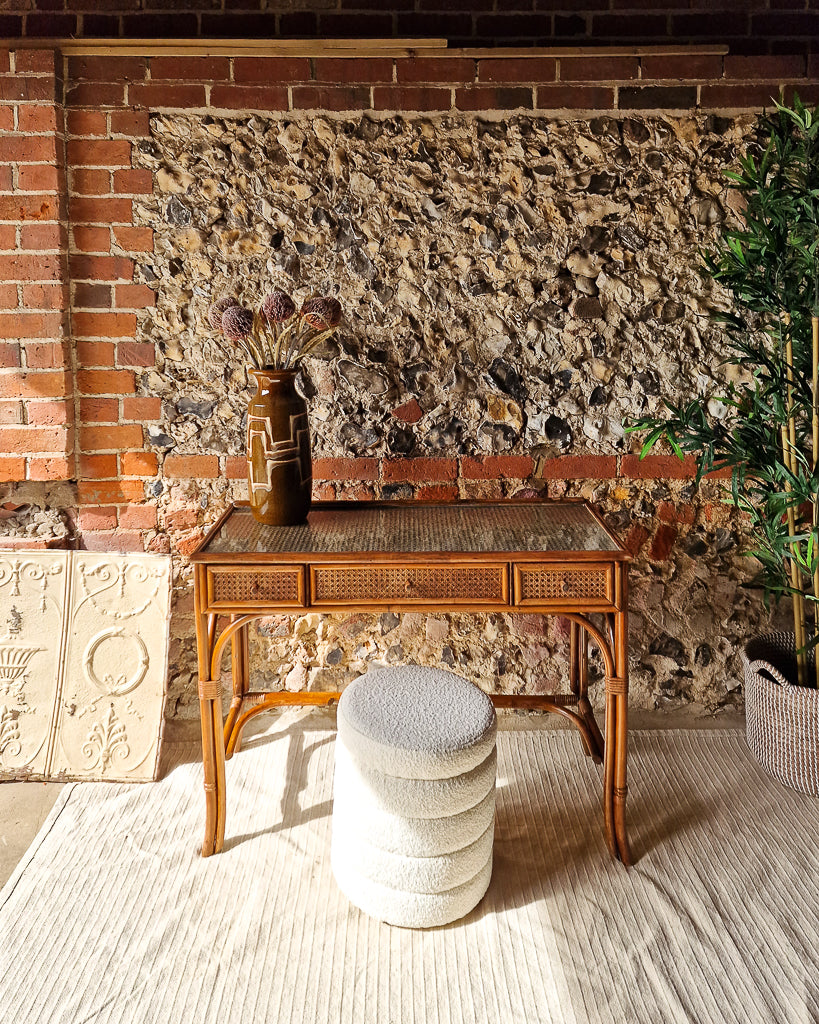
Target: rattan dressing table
[{"x": 555, "y": 558}]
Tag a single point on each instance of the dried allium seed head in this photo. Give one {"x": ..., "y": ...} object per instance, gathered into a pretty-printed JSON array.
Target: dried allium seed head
[
  {"x": 217, "y": 309},
  {"x": 237, "y": 322},
  {"x": 321, "y": 313},
  {"x": 333, "y": 311},
  {"x": 278, "y": 307}
]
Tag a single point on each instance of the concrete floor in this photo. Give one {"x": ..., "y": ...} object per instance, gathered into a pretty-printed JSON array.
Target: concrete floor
[{"x": 24, "y": 806}]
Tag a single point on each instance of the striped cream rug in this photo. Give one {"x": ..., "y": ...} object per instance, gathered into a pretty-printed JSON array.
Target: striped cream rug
[{"x": 113, "y": 917}]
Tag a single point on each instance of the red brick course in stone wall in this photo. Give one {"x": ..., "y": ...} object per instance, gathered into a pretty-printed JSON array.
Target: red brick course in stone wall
[
  {"x": 69, "y": 304},
  {"x": 434, "y": 84}
]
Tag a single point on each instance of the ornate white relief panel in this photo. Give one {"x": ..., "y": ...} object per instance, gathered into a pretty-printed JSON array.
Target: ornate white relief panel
[
  {"x": 102, "y": 667},
  {"x": 32, "y": 608},
  {"x": 110, "y": 713}
]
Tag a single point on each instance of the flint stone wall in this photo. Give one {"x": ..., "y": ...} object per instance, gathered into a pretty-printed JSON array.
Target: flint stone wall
[{"x": 510, "y": 287}]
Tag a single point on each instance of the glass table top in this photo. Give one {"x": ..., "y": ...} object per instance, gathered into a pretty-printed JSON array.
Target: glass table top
[{"x": 398, "y": 528}]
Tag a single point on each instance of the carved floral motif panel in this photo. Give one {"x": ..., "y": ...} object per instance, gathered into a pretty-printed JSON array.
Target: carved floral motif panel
[
  {"x": 83, "y": 663},
  {"x": 32, "y": 607}
]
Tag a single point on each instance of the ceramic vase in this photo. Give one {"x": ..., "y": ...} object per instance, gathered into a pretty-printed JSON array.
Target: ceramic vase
[{"x": 279, "y": 468}]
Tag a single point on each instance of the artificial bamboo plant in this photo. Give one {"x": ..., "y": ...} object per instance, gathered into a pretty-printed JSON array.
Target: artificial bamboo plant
[{"x": 767, "y": 432}]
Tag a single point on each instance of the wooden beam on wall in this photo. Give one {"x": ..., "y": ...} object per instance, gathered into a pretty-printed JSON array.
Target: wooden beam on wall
[
  {"x": 337, "y": 48},
  {"x": 233, "y": 47},
  {"x": 676, "y": 50}
]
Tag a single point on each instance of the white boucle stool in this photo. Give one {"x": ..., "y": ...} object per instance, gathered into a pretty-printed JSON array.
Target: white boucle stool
[{"x": 414, "y": 795}]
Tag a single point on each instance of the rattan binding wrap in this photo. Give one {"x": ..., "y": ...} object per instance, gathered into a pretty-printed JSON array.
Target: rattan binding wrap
[{"x": 782, "y": 719}]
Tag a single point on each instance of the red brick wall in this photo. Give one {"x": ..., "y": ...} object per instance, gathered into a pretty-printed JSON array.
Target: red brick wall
[
  {"x": 749, "y": 26},
  {"x": 69, "y": 247},
  {"x": 105, "y": 302},
  {"x": 36, "y": 389}
]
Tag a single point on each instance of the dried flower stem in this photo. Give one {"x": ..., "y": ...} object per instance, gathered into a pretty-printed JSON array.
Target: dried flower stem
[
  {"x": 295, "y": 345},
  {"x": 246, "y": 349},
  {"x": 282, "y": 343},
  {"x": 317, "y": 340}
]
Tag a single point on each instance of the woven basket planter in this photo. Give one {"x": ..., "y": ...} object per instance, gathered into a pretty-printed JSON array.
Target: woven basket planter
[{"x": 782, "y": 719}]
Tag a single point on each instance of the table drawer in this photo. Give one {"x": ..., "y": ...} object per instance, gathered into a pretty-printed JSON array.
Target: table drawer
[
  {"x": 444, "y": 585},
  {"x": 244, "y": 587},
  {"x": 590, "y": 584}
]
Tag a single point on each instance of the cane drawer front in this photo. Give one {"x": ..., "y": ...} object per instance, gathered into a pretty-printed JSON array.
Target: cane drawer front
[
  {"x": 590, "y": 584},
  {"x": 445, "y": 585},
  {"x": 245, "y": 587}
]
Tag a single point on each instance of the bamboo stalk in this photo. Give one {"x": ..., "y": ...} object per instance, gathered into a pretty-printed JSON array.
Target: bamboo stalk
[
  {"x": 793, "y": 572},
  {"x": 789, "y": 454},
  {"x": 815, "y": 497}
]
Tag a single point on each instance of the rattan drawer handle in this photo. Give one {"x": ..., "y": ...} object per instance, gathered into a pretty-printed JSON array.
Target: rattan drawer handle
[
  {"x": 566, "y": 585},
  {"x": 255, "y": 588},
  {"x": 410, "y": 587}
]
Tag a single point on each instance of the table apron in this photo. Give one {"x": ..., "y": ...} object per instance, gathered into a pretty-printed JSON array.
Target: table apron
[{"x": 547, "y": 587}]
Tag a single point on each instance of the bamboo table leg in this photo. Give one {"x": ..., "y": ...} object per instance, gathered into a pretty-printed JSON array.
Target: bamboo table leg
[
  {"x": 616, "y": 752},
  {"x": 612, "y": 643},
  {"x": 213, "y": 762},
  {"x": 210, "y": 713},
  {"x": 608, "y": 768},
  {"x": 240, "y": 668},
  {"x": 621, "y": 744},
  {"x": 579, "y": 683},
  {"x": 574, "y": 656}
]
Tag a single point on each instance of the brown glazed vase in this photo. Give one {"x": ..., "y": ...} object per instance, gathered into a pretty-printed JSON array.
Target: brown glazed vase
[{"x": 279, "y": 468}]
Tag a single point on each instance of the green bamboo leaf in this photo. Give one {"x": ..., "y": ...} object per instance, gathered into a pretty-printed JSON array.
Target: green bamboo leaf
[{"x": 770, "y": 266}]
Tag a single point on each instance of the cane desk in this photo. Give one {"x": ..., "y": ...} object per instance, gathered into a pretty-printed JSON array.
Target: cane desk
[{"x": 555, "y": 558}]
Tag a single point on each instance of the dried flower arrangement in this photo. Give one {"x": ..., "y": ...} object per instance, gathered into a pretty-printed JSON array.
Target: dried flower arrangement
[{"x": 277, "y": 335}]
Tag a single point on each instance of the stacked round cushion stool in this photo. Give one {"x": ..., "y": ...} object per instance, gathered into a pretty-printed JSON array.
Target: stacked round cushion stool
[{"x": 414, "y": 795}]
